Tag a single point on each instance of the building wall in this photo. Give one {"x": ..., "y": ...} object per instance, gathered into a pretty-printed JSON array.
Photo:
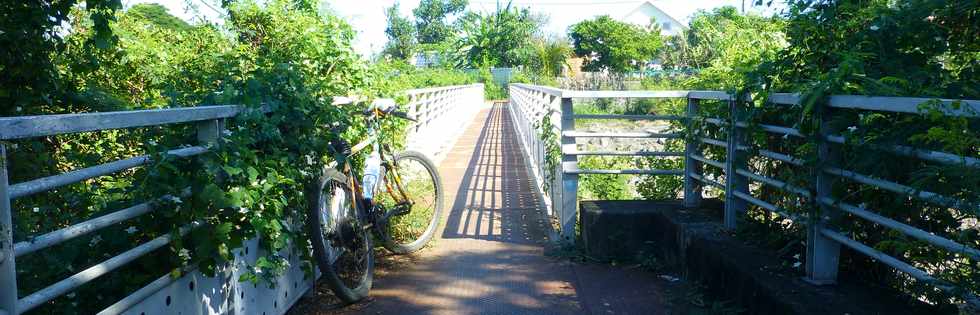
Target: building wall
[{"x": 645, "y": 12}]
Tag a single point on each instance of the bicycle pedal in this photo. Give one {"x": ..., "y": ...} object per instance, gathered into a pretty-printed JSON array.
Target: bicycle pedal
[{"x": 398, "y": 210}]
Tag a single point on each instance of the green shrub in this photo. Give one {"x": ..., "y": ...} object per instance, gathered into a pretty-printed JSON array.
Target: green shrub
[
  {"x": 280, "y": 55},
  {"x": 604, "y": 186}
]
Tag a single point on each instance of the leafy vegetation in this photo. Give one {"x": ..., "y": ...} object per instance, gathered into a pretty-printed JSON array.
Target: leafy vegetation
[
  {"x": 30, "y": 34},
  {"x": 432, "y": 32},
  {"x": 819, "y": 48},
  {"x": 158, "y": 15},
  {"x": 401, "y": 35},
  {"x": 910, "y": 48},
  {"x": 551, "y": 57},
  {"x": 431, "y": 20},
  {"x": 280, "y": 55},
  {"x": 608, "y": 44},
  {"x": 498, "y": 39}
]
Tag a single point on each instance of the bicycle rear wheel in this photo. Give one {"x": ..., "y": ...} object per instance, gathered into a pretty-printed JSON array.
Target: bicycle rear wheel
[
  {"x": 409, "y": 232},
  {"x": 341, "y": 244}
]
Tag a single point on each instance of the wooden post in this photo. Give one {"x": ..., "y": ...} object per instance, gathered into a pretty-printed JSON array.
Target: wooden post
[
  {"x": 734, "y": 161},
  {"x": 569, "y": 181},
  {"x": 8, "y": 274},
  {"x": 692, "y": 188},
  {"x": 822, "y": 253}
]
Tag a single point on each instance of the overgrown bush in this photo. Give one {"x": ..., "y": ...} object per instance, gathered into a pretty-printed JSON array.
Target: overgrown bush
[
  {"x": 282, "y": 56},
  {"x": 605, "y": 186},
  {"x": 398, "y": 75}
]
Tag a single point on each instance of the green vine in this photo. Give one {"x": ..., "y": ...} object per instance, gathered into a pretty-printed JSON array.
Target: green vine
[{"x": 552, "y": 149}]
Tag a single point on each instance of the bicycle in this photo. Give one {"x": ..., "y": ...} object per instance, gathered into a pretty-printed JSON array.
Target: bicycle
[{"x": 344, "y": 211}]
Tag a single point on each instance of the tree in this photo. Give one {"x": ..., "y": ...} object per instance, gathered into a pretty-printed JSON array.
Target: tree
[
  {"x": 607, "y": 44},
  {"x": 721, "y": 33},
  {"x": 431, "y": 19},
  {"x": 401, "y": 35},
  {"x": 724, "y": 45},
  {"x": 29, "y": 34},
  {"x": 498, "y": 39},
  {"x": 551, "y": 56},
  {"x": 159, "y": 16}
]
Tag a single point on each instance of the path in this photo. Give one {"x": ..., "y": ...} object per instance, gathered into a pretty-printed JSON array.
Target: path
[{"x": 490, "y": 257}]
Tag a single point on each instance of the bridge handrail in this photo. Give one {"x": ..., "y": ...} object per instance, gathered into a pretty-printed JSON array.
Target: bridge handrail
[
  {"x": 50, "y": 125},
  {"x": 822, "y": 260},
  {"x": 441, "y": 111},
  {"x": 441, "y": 114},
  {"x": 209, "y": 120}
]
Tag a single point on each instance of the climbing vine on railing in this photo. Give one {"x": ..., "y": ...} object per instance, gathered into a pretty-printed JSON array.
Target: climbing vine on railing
[
  {"x": 920, "y": 49},
  {"x": 552, "y": 149}
]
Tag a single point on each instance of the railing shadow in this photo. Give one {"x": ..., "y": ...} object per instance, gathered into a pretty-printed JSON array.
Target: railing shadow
[{"x": 495, "y": 200}]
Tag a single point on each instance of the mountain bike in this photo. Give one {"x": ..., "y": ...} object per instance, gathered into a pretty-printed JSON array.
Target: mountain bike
[{"x": 398, "y": 197}]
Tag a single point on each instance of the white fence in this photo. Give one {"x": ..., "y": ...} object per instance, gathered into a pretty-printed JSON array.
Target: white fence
[{"x": 442, "y": 114}]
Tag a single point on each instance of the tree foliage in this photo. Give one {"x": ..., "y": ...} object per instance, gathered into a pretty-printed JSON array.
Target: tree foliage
[
  {"x": 550, "y": 56},
  {"x": 159, "y": 16},
  {"x": 498, "y": 39},
  {"x": 30, "y": 32},
  {"x": 607, "y": 44},
  {"x": 402, "y": 43},
  {"x": 916, "y": 48},
  {"x": 717, "y": 37},
  {"x": 432, "y": 19}
]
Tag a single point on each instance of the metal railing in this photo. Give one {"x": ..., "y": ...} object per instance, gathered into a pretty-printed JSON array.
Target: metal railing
[
  {"x": 209, "y": 121},
  {"x": 823, "y": 240},
  {"x": 441, "y": 114}
]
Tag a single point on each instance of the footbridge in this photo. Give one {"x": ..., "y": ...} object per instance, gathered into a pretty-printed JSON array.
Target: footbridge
[{"x": 511, "y": 171}]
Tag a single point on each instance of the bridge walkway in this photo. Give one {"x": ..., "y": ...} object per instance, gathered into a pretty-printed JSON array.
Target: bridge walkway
[{"x": 489, "y": 256}]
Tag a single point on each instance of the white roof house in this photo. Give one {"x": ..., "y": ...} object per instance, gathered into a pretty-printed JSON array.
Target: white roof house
[{"x": 646, "y": 11}]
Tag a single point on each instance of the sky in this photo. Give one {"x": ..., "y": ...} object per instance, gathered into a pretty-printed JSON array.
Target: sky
[{"x": 367, "y": 17}]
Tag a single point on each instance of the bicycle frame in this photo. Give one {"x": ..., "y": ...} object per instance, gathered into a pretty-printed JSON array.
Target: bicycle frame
[{"x": 389, "y": 173}]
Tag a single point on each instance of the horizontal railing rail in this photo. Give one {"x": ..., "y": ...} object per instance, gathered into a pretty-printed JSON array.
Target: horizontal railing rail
[
  {"x": 209, "y": 120},
  {"x": 736, "y": 176},
  {"x": 440, "y": 112},
  {"x": 530, "y": 103},
  {"x": 49, "y": 125}
]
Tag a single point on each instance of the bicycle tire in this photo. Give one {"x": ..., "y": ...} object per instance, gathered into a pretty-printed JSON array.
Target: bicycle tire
[
  {"x": 412, "y": 244},
  {"x": 328, "y": 230}
]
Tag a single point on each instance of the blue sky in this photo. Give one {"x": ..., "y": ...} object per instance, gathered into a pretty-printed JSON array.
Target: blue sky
[{"x": 368, "y": 19}]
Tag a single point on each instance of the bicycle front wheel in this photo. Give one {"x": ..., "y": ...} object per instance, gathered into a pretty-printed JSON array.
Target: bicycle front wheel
[
  {"x": 341, "y": 243},
  {"x": 408, "y": 232}
]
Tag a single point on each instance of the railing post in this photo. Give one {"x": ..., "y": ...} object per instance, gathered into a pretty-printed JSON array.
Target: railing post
[
  {"x": 692, "y": 167},
  {"x": 8, "y": 274},
  {"x": 569, "y": 182},
  {"x": 209, "y": 131},
  {"x": 413, "y": 112},
  {"x": 734, "y": 161},
  {"x": 822, "y": 253}
]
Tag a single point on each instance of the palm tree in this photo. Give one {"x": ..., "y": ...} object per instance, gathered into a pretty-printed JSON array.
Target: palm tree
[{"x": 553, "y": 56}]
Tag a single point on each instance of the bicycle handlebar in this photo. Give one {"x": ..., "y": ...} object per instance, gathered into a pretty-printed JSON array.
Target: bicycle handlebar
[{"x": 403, "y": 115}]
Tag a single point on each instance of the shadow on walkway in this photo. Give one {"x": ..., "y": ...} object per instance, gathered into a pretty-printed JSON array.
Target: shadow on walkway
[
  {"x": 495, "y": 200},
  {"x": 489, "y": 258}
]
